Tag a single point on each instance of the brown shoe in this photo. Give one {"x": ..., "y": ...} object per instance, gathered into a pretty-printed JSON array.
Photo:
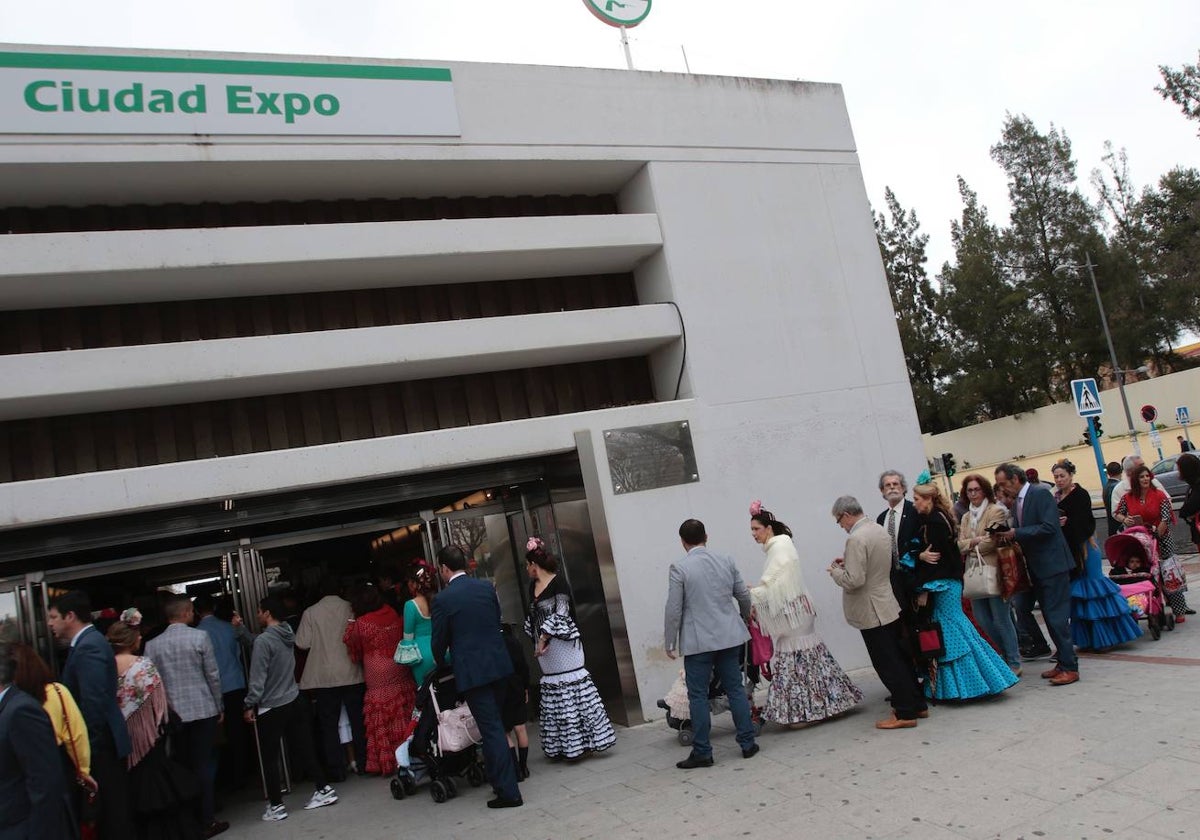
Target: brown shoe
[
  {"x": 1065, "y": 678},
  {"x": 1052, "y": 673},
  {"x": 924, "y": 713},
  {"x": 895, "y": 723}
]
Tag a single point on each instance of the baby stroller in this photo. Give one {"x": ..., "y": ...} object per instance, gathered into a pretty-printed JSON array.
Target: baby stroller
[
  {"x": 423, "y": 761},
  {"x": 678, "y": 710},
  {"x": 1143, "y": 589}
]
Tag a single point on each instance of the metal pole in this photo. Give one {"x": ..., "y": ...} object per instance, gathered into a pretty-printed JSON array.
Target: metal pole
[
  {"x": 1095, "y": 439},
  {"x": 1112, "y": 355},
  {"x": 625, "y": 45},
  {"x": 686, "y": 66}
]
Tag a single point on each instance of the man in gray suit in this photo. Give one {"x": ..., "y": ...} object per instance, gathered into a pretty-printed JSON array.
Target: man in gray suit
[
  {"x": 708, "y": 605},
  {"x": 1049, "y": 560}
]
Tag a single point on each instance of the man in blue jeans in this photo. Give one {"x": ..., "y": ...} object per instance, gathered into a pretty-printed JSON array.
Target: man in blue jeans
[{"x": 708, "y": 605}]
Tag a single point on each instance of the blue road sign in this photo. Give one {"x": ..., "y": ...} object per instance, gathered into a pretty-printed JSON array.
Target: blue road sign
[
  {"x": 1087, "y": 397},
  {"x": 1181, "y": 415}
]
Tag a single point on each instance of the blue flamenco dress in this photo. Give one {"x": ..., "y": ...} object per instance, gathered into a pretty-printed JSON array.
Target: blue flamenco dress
[
  {"x": 1100, "y": 615},
  {"x": 970, "y": 668}
]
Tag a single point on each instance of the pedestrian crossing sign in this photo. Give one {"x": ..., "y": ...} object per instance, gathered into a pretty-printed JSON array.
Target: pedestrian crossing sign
[{"x": 1087, "y": 397}]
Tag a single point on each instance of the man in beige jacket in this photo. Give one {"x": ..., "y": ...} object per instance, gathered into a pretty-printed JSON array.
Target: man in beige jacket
[{"x": 864, "y": 575}]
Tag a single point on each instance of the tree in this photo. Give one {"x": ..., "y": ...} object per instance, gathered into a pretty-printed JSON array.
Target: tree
[
  {"x": 993, "y": 370},
  {"x": 915, "y": 301},
  {"x": 1182, "y": 87},
  {"x": 1172, "y": 221},
  {"x": 1052, "y": 226}
]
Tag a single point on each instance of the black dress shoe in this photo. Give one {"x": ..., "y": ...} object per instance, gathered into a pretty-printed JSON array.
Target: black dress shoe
[
  {"x": 750, "y": 751},
  {"x": 1189, "y": 611},
  {"x": 694, "y": 760},
  {"x": 214, "y": 828},
  {"x": 501, "y": 802}
]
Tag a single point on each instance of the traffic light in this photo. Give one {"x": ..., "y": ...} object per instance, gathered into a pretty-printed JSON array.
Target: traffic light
[
  {"x": 948, "y": 464},
  {"x": 1087, "y": 434},
  {"x": 1099, "y": 428}
]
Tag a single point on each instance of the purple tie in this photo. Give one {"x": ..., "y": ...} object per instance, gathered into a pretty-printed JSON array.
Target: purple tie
[{"x": 1020, "y": 510}]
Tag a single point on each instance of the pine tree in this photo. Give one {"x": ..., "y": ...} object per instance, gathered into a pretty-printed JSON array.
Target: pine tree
[
  {"x": 1182, "y": 87},
  {"x": 915, "y": 301}
]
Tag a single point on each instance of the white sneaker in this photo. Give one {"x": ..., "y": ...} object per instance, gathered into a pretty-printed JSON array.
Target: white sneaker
[
  {"x": 274, "y": 813},
  {"x": 321, "y": 798}
]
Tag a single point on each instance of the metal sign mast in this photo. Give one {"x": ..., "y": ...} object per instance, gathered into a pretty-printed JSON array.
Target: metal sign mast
[{"x": 624, "y": 15}]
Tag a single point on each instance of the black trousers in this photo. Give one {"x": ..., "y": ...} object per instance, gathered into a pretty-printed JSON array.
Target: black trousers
[
  {"x": 113, "y": 819},
  {"x": 294, "y": 722},
  {"x": 894, "y": 668},
  {"x": 234, "y": 760},
  {"x": 329, "y": 710},
  {"x": 194, "y": 745}
]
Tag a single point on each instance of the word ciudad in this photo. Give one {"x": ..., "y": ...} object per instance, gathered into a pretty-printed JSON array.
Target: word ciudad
[{"x": 49, "y": 97}]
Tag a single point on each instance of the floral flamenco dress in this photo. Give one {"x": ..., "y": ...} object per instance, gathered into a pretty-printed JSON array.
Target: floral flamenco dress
[
  {"x": 970, "y": 667},
  {"x": 807, "y": 683},
  {"x": 1100, "y": 615},
  {"x": 572, "y": 719},
  {"x": 391, "y": 691}
]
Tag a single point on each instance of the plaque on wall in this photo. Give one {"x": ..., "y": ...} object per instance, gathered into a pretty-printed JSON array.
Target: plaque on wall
[{"x": 649, "y": 457}]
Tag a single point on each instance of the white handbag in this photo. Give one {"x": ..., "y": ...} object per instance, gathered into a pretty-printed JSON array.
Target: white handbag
[
  {"x": 980, "y": 580},
  {"x": 456, "y": 727}
]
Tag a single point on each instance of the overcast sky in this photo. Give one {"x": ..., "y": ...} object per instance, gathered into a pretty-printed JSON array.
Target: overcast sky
[{"x": 927, "y": 83}]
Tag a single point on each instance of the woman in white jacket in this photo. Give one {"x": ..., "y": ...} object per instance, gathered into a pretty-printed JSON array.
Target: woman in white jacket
[{"x": 807, "y": 683}]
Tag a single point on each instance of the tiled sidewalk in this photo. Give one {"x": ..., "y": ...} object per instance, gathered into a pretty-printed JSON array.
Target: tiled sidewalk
[{"x": 1115, "y": 756}]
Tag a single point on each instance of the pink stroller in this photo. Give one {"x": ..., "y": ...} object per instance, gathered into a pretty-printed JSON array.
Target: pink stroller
[{"x": 1135, "y": 568}]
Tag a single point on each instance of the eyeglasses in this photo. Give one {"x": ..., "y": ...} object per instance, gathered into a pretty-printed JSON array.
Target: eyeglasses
[{"x": 974, "y": 489}]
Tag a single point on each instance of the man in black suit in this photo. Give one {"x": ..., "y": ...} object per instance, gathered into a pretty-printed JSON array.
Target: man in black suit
[
  {"x": 900, "y": 522},
  {"x": 31, "y": 775},
  {"x": 91, "y": 676},
  {"x": 466, "y": 619}
]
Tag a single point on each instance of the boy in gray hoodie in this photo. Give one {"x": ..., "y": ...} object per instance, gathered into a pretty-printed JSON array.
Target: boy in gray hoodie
[{"x": 274, "y": 705}]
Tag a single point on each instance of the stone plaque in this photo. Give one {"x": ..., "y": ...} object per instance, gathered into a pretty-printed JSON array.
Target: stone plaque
[{"x": 648, "y": 457}]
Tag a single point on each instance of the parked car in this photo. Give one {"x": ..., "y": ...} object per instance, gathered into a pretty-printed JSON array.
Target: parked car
[{"x": 1166, "y": 473}]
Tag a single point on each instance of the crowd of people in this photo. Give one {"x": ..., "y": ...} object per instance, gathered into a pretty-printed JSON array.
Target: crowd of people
[
  {"x": 131, "y": 740},
  {"x": 1014, "y": 543}
]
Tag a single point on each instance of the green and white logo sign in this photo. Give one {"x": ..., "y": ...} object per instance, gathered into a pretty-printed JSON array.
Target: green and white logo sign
[
  {"x": 625, "y": 13},
  {"x": 47, "y": 93}
]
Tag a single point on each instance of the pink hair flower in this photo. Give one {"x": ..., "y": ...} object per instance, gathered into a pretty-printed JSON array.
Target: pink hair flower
[
  {"x": 534, "y": 543},
  {"x": 131, "y": 617},
  {"x": 755, "y": 507}
]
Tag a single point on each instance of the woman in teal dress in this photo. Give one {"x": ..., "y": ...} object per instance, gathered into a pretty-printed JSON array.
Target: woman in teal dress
[
  {"x": 417, "y": 623},
  {"x": 970, "y": 667}
]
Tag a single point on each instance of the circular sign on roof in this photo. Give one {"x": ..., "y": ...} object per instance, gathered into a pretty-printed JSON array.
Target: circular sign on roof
[{"x": 625, "y": 13}]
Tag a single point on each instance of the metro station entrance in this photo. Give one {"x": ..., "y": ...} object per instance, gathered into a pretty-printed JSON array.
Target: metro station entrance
[{"x": 285, "y": 544}]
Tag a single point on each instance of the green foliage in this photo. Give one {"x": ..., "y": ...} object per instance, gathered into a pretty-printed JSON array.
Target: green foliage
[
  {"x": 1182, "y": 87},
  {"x": 915, "y": 301},
  {"x": 1013, "y": 319}
]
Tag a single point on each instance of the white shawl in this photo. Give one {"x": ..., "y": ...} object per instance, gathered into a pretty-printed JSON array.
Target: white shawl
[{"x": 781, "y": 599}]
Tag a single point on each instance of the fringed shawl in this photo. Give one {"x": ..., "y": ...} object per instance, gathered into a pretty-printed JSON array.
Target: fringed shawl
[
  {"x": 143, "y": 702},
  {"x": 781, "y": 599}
]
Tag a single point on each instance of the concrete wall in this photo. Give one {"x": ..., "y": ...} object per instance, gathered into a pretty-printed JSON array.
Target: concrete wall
[{"x": 1042, "y": 435}]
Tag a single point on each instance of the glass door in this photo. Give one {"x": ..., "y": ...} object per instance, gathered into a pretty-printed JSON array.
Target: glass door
[{"x": 244, "y": 577}]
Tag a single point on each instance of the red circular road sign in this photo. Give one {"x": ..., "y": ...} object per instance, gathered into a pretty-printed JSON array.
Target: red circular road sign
[{"x": 1149, "y": 413}]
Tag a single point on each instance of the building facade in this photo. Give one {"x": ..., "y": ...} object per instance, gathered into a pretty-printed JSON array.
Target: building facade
[{"x": 269, "y": 316}]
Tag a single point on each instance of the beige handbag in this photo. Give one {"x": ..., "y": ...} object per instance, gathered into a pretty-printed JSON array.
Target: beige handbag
[{"x": 980, "y": 580}]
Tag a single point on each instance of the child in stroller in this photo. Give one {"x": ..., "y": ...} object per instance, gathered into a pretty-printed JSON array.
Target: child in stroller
[
  {"x": 679, "y": 714},
  {"x": 1133, "y": 556},
  {"x": 419, "y": 759}
]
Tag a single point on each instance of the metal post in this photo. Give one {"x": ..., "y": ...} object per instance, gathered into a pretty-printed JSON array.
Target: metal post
[
  {"x": 625, "y": 45},
  {"x": 1112, "y": 355},
  {"x": 1095, "y": 439},
  {"x": 687, "y": 67}
]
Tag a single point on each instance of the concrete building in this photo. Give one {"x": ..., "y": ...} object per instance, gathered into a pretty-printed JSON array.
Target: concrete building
[{"x": 266, "y": 318}]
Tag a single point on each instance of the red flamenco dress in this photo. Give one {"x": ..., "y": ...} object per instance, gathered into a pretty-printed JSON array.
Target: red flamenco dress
[{"x": 391, "y": 692}]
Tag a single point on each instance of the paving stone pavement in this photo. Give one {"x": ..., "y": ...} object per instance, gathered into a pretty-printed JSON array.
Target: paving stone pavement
[{"x": 1115, "y": 756}]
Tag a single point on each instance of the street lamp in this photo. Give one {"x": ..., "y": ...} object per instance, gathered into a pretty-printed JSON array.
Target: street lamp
[{"x": 1112, "y": 352}]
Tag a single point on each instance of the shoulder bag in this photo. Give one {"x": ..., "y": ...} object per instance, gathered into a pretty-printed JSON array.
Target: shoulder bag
[
  {"x": 980, "y": 580},
  {"x": 761, "y": 648},
  {"x": 407, "y": 653},
  {"x": 84, "y": 823},
  {"x": 1013, "y": 574},
  {"x": 456, "y": 728}
]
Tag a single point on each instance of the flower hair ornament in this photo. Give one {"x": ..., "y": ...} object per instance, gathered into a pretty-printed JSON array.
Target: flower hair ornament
[
  {"x": 535, "y": 543},
  {"x": 924, "y": 478},
  {"x": 131, "y": 617},
  {"x": 756, "y": 507}
]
